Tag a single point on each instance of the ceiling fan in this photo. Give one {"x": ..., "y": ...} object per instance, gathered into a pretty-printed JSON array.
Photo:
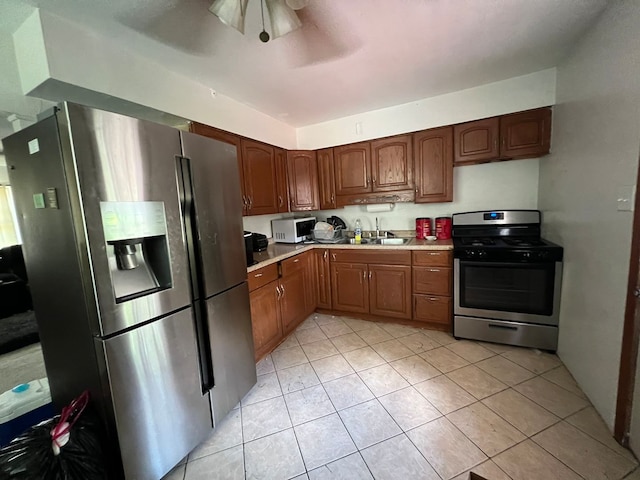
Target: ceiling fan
[{"x": 281, "y": 13}]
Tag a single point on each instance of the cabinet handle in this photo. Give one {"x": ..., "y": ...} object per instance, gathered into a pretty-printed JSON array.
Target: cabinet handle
[
  {"x": 278, "y": 291},
  {"x": 296, "y": 260},
  {"x": 434, "y": 270},
  {"x": 333, "y": 257},
  {"x": 435, "y": 253},
  {"x": 258, "y": 275},
  {"x": 333, "y": 199},
  {"x": 326, "y": 254},
  {"x": 417, "y": 192},
  {"x": 369, "y": 274},
  {"x": 280, "y": 201},
  {"x": 250, "y": 202},
  {"x": 433, "y": 299},
  {"x": 282, "y": 288},
  {"x": 374, "y": 180}
]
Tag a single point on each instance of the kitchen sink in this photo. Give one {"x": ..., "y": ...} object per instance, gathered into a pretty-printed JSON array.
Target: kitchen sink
[
  {"x": 391, "y": 241},
  {"x": 380, "y": 241}
]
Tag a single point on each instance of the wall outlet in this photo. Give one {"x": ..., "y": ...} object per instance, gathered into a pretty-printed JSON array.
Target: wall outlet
[{"x": 626, "y": 198}]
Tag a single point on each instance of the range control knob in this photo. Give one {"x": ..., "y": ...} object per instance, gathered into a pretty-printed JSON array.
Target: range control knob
[
  {"x": 470, "y": 253},
  {"x": 482, "y": 253},
  {"x": 543, "y": 254},
  {"x": 526, "y": 255}
]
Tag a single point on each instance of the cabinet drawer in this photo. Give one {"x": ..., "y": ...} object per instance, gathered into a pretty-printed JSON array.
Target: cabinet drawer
[
  {"x": 441, "y": 258},
  {"x": 380, "y": 257},
  {"x": 293, "y": 264},
  {"x": 262, "y": 276},
  {"x": 432, "y": 280},
  {"x": 433, "y": 309}
]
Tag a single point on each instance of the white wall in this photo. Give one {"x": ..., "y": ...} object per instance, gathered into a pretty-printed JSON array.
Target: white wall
[
  {"x": 512, "y": 184},
  {"x": 507, "y": 96},
  {"x": 596, "y": 142},
  {"x": 54, "y": 53}
]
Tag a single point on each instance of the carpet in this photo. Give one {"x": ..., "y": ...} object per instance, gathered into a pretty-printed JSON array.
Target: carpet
[{"x": 18, "y": 331}]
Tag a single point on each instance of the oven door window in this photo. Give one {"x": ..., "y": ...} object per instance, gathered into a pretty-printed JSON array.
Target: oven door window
[{"x": 508, "y": 287}]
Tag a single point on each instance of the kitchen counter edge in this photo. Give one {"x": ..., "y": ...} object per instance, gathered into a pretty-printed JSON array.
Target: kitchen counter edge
[{"x": 281, "y": 251}]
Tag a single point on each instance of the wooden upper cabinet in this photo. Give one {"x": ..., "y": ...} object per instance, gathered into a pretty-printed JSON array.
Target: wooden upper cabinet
[
  {"x": 525, "y": 134},
  {"x": 281, "y": 180},
  {"x": 476, "y": 142},
  {"x": 391, "y": 164},
  {"x": 260, "y": 177},
  {"x": 326, "y": 179},
  {"x": 302, "y": 169},
  {"x": 353, "y": 168},
  {"x": 433, "y": 165}
]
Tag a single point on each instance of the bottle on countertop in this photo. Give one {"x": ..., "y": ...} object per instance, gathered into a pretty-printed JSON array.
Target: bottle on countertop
[{"x": 358, "y": 231}]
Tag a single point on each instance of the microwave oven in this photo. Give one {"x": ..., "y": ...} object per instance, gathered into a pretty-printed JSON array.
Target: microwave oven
[{"x": 292, "y": 230}]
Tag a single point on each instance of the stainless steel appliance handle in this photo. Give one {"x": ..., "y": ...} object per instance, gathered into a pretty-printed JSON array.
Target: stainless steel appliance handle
[{"x": 503, "y": 327}]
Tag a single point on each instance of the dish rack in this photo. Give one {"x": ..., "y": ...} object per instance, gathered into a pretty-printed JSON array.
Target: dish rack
[{"x": 327, "y": 236}]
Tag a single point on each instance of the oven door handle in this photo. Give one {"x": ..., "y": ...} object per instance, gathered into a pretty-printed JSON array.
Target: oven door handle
[
  {"x": 503, "y": 327},
  {"x": 531, "y": 265}
]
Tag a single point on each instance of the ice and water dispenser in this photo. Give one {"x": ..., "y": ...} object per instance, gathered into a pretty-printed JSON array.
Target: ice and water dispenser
[{"x": 137, "y": 249}]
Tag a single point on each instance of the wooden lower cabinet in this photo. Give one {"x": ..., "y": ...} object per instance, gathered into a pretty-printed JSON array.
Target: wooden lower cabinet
[
  {"x": 323, "y": 278},
  {"x": 432, "y": 274},
  {"x": 292, "y": 303},
  {"x": 383, "y": 290},
  {"x": 432, "y": 309},
  {"x": 265, "y": 316},
  {"x": 349, "y": 287},
  {"x": 390, "y": 291}
]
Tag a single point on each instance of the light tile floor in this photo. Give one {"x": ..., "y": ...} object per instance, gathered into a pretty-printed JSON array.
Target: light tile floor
[{"x": 348, "y": 399}]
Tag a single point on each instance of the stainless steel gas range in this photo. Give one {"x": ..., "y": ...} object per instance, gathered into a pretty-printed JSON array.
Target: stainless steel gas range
[{"x": 506, "y": 279}]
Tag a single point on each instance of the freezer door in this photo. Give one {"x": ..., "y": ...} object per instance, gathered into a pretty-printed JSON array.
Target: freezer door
[
  {"x": 126, "y": 172},
  {"x": 234, "y": 369},
  {"x": 217, "y": 197},
  {"x": 159, "y": 410}
]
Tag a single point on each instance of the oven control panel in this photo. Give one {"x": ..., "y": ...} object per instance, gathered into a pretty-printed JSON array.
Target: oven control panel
[{"x": 510, "y": 255}]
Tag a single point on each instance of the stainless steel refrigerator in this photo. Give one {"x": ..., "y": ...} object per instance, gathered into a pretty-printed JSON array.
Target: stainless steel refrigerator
[{"x": 134, "y": 248}]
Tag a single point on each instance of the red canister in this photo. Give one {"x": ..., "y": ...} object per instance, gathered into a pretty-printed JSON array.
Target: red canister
[
  {"x": 443, "y": 228},
  {"x": 423, "y": 227}
]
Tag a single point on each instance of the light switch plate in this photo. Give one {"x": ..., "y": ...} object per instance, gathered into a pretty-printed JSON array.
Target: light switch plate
[{"x": 626, "y": 198}]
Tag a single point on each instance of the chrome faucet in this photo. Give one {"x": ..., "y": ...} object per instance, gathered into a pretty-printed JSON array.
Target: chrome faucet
[{"x": 377, "y": 228}]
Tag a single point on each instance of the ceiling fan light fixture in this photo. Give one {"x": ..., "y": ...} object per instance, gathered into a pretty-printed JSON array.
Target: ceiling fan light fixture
[
  {"x": 283, "y": 19},
  {"x": 230, "y": 12}
]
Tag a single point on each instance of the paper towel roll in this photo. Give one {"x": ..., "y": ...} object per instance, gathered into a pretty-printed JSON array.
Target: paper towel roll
[{"x": 380, "y": 207}]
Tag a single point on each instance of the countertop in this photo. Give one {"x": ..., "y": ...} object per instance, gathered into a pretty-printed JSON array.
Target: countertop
[{"x": 279, "y": 251}]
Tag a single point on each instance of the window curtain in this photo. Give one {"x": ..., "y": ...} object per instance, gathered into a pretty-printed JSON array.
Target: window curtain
[{"x": 9, "y": 234}]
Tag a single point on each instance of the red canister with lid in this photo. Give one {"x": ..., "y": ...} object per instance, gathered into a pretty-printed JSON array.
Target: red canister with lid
[
  {"x": 423, "y": 227},
  {"x": 443, "y": 228}
]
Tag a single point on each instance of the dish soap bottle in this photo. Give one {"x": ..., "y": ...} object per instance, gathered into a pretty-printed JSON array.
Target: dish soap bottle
[{"x": 358, "y": 231}]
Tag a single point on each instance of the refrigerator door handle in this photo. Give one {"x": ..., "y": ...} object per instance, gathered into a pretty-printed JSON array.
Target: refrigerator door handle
[{"x": 185, "y": 190}]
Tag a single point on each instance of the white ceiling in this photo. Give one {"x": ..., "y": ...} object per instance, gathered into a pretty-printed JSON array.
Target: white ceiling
[{"x": 351, "y": 56}]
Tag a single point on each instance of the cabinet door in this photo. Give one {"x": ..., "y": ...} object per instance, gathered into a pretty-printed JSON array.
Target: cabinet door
[
  {"x": 260, "y": 179},
  {"x": 281, "y": 180},
  {"x": 432, "y": 280},
  {"x": 433, "y": 309},
  {"x": 353, "y": 168},
  {"x": 433, "y": 150},
  {"x": 392, "y": 164},
  {"x": 390, "y": 291},
  {"x": 310, "y": 283},
  {"x": 323, "y": 273},
  {"x": 326, "y": 179},
  {"x": 526, "y": 134},
  {"x": 302, "y": 170},
  {"x": 476, "y": 142},
  {"x": 265, "y": 318},
  {"x": 293, "y": 307},
  {"x": 350, "y": 287},
  {"x": 217, "y": 134}
]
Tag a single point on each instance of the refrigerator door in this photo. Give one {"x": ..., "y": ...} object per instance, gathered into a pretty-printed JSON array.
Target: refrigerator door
[
  {"x": 159, "y": 409},
  {"x": 231, "y": 339},
  {"x": 126, "y": 175},
  {"x": 215, "y": 184}
]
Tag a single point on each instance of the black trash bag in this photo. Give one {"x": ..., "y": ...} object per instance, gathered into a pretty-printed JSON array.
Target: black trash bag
[{"x": 66, "y": 447}]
